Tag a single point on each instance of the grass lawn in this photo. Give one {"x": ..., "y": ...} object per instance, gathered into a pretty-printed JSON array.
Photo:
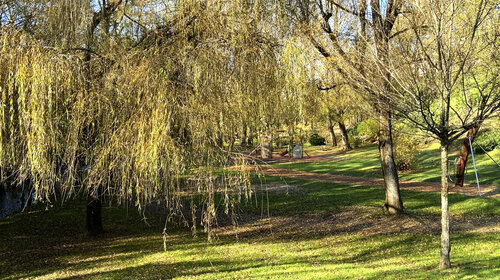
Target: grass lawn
[
  {"x": 364, "y": 162},
  {"x": 316, "y": 231}
]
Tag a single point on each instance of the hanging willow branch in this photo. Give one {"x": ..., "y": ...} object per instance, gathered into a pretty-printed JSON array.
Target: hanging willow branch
[{"x": 139, "y": 122}]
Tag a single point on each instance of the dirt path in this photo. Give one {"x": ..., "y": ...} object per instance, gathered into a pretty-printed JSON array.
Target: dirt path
[{"x": 487, "y": 191}]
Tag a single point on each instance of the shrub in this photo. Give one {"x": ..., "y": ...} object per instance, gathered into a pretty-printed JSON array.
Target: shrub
[
  {"x": 488, "y": 139},
  {"x": 281, "y": 140},
  {"x": 406, "y": 151},
  {"x": 368, "y": 129},
  {"x": 356, "y": 141},
  {"x": 316, "y": 140}
]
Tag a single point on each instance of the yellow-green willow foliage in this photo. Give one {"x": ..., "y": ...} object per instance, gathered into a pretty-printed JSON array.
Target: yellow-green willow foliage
[
  {"x": 36, "y": 87},
  {"x": 298, "y": 78},
  {"x": 141, "y": 120}
]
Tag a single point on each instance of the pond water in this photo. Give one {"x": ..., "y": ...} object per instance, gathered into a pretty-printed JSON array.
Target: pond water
[{"x": 12, "y": 201}]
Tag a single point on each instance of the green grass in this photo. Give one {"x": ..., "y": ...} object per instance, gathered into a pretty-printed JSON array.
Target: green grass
[
  {"x": 51, "y": 244},
  {"x": 328, "y": 197},
  {"x": 364, "y": 162},
  {"x": 361, "y": 162}
]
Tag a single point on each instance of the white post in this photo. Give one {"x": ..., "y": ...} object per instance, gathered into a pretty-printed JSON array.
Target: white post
[{"x": 475, "y": 170}]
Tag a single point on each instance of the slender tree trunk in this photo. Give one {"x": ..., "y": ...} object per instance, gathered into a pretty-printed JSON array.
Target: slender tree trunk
[
  {"x": 464, "y": 154},
  {"x": 382, "y": 27},
  {"x": 219, "y": 139},
  {"x": 250, "y": 137},
  {"x": 94, "y": 205},
  {"x": 94, "y": 215},
  {"x": 393, "y": 203},
  {"x": 343, "y": 134},
  {"x": 445, "y": 214},
  {"x": 244, "y": 137},
  {"x": 230, "y": 149},
  {"x": 266, "y": 146},
  {"x": 332, "y": 132}
]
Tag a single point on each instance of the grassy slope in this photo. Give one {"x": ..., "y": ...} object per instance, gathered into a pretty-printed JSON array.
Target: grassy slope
[
  {"x": 328, "y": 197},
  {"x": 50, "y": 244},
  {"x": 364, "y": 162}
]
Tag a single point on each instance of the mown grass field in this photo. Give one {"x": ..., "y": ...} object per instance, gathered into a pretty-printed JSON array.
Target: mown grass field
[
  {"x": 314, "y": 231},
  {"x": 364, "y": 162}
]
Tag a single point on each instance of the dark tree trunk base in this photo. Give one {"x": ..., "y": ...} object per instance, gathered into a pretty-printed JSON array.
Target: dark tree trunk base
[
  {"x": 393, "y": 210},
  {"x": 444, "y": 265},
  {"x": 94, "y": 216},
  {"x": 332, "y": 132}
]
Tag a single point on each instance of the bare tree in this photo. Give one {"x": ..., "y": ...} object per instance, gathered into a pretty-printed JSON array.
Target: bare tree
[
  {"x": 444, "y": 76},
  {"x": 343, "y": 32}
]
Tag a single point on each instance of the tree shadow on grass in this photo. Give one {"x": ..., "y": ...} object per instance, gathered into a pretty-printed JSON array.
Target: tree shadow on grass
[
  {"x": 461, "y": 269},
  {"x": 198, "y": 269},
  {"x": 41, "y": 243},
  {"x": 321, "y": 197},
  {"x": 41, "y": 239},
  {"x": 217, "y": 266},
  {"x": 317, "y": 197}
]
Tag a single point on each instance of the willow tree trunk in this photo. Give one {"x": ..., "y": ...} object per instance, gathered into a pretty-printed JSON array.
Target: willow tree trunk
[
  {"x": 94, "y": 205},
  {"x": 230, "y": 149},
  {"x": 266, "y": 147},
  {"x": 393, "y": 203},
  {"x": 94, "y": 215},
  {"x": 445, "y": 214},
  {"x": 244, "y": 136},
  {"x": 250, "y": 137},
  {"x": 332, "y": 132},
  {"x": 464, "y": 154},
  {"x": 345, "y": 140}
]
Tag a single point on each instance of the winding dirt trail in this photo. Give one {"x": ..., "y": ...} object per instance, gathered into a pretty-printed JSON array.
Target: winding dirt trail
[{"x": 487, "y": 191}]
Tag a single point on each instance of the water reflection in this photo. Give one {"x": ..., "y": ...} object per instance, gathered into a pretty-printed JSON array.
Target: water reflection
[{"x": 12, "y": 201}]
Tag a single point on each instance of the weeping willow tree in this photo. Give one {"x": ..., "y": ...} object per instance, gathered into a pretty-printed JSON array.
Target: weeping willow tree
[
  {"x": 298, "y": 74},
  {"x": 136, "y": 101}
]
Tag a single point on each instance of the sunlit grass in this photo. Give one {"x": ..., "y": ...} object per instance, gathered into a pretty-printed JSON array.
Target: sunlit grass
[
  {"x": 325, "y": 258},
  {"x": 51, "y": 244},
  {"x": 364, "y": 162},
  {"x": 329, "y": 257},
  {"x": 322, "y": 197}
]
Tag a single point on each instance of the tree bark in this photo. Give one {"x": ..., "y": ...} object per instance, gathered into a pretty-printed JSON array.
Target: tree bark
[
  {"x": 94, "y": 215},
  {"x": 382, "y": 27},
  {"x": 250, "y": 138},
  {"x": 244, "y": 137},
  {"x": 393, "y": 203},
  {"x": 332, "y": 132},
  {"x": 343, "y": 134},
  {"x": 94, "y": 205},
  {"x": 464, "y": 154},
  {"x": 445, "y": 214},
  {"x": 219, "y": 139},
  {"x": 230, "y": 149},
  {"x": 266, "y": 147}
]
